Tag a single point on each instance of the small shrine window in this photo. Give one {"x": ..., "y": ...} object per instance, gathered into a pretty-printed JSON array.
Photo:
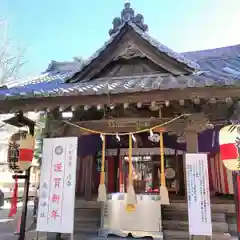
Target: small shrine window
[
  {"x": 142, "y": 173},
  {"x": 146, "y": 173}
]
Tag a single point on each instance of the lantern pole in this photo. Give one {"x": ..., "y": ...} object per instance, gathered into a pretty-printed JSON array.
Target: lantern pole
[
  {"x": 19, "y": 120},
  {"x": 25, "y": 196},
  {"x": 25, "y": 205},
  {"x": 236, "y": 185},
  {"x": 26, "y": 177}
]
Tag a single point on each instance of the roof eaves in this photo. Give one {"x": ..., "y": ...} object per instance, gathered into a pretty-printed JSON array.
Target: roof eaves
[
  {"x": 20, "y": 82},
  {"x": 46, "y": 77},
  {"x": 128, "y": 84}
]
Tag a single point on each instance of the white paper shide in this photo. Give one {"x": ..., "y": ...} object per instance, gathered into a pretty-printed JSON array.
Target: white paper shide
[
  {"x": 57, "y": 185},
  {"x": 199, "y": 206}
]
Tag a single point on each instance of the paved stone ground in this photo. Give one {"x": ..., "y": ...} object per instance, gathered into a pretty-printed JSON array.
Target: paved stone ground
[{"x": 9, "y": 225}]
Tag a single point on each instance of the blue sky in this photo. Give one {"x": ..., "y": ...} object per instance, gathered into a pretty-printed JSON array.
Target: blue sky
[{"x": 60, "y": 29}]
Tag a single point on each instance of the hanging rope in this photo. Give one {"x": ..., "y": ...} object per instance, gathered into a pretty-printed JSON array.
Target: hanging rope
[
  {"x": 124, "y": 134},
  {"x": 131, "y": 196},
  {"x": 163, "y": 180},
  {"x": 102, "y": 177},
  {"x": 102, "y": 192},
  {"x": 130, "y": 168},
  {"x": 163, "y": 189}
]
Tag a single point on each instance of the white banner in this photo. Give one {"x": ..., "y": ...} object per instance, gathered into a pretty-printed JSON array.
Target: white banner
[
  {"x": 199, "y": 205},
  {"x": 57, "y": 185}
]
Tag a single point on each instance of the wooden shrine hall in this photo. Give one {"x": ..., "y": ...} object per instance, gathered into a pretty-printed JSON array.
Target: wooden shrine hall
[{"x": 134, "y": 82}]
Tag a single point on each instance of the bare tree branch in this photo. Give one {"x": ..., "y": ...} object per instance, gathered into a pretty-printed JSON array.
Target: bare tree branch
[{"x": 11, "y": 58}]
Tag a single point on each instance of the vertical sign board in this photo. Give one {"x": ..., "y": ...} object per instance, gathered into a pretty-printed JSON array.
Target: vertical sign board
[
  {"x": 199, "y": 205},
  {"x": 57, "y": 185}
]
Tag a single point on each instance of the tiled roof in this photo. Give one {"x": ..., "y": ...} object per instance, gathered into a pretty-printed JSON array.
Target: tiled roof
[
  {"x": 123, "y": 85},
  {"x": 57, "y": 72},
  {"x": 218, "y": 67},
  {"x": 140, "y": 83},
  {"x": 219, "y": 63},
  {"x": 160, "y": 47},
  {"x": 223, "y": 52},
  {"x": 41, "y": 85},
  {"x": 47, "y": 77}
]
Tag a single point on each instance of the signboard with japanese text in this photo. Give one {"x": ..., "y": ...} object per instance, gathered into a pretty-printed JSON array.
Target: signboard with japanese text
[
  {"x": 57, "y": 185},
  {"x": 199, "y": 205}
]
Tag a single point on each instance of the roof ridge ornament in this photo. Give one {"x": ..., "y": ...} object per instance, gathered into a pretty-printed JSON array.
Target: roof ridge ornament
[{"x": 128, "y": 15}]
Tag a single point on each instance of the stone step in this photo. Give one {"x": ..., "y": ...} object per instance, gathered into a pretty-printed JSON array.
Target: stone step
[
  {"x": 87, "y": 219},
  {"x": 216, "y": 207},
  {"x": 86, "y": 230},
  {"x": 79, "y": 226},
  {"x": 87, "y": 204},
  {"x": 183, "y": 226},
  {"x": 183, "y": 216},
  {"x": 86, "y": 236},
  {"x": 184, "y": 235},
  {"x": 86, "y": 212}
]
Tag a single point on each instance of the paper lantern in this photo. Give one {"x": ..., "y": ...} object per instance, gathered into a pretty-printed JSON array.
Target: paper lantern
[
  {"x": 20, "y": 151},
  {"x": 229, "y": 141}
]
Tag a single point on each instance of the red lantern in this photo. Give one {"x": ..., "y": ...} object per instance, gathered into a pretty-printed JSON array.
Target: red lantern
[
  {"x": 229, "y": 141},
  {"x": 21, "y": 151},
  {"x": 20, "y": 156}
]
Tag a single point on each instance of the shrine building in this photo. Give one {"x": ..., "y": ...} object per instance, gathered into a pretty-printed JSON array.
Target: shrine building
[{"x": 133, "y": 82}]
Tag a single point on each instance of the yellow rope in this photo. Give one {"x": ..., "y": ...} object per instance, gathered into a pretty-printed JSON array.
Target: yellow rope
[
  {"x": 130, "y": 180},
  {"x": 102, "y": 176},
  {"x": 163, "y": 180},
  {"x": 124, "y": 134}
]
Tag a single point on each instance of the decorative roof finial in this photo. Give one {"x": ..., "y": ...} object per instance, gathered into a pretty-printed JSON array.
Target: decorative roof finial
[{"x": 128, "y": 15}]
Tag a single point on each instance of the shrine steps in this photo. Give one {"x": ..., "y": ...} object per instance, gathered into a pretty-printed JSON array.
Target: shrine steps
[
  {"x": 87, "y": 218},
  {"x": 175, "y": 220},
  {"x": 232, "y": 223},
  {"x": 183, "y": 235}
]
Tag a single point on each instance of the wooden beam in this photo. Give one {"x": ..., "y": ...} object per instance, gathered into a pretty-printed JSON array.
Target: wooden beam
[
  {"x": 145, "y": 97},
  {"x": 123, "y": 125}
]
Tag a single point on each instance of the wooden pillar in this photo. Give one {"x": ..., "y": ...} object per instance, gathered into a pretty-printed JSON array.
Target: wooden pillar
[
  {"x": 120, "y": 174},
  {"x": 88, "y": 178},
  {"x": 192, "y": 141},
  {"x": 192, "y": 147}
]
